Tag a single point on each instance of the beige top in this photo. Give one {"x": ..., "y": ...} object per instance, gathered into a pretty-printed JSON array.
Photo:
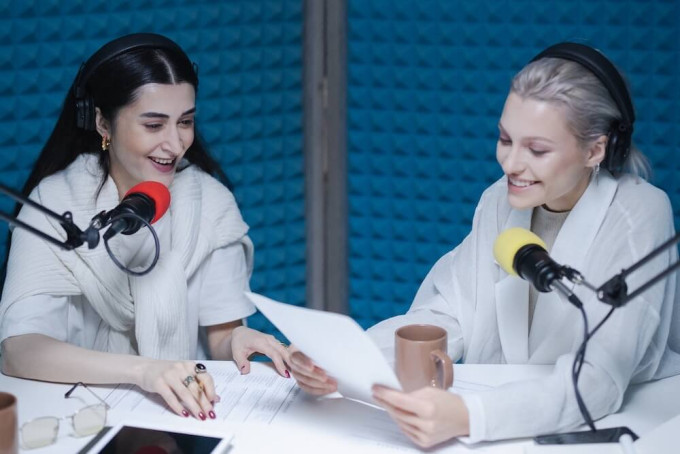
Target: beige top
[{"x": 546, "y": 224}]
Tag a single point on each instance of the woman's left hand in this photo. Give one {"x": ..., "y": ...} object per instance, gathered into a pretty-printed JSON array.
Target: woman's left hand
[
  {"x": 427, "y": 416},
  {"x": 246, "y": 341}
]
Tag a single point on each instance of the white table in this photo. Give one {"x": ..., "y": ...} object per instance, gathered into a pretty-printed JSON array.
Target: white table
[{"x": 339, "y": 425}]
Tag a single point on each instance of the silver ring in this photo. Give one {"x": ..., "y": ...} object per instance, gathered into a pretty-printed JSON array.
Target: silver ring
[
  {"x": 200, "y": 368},
  {"x": 187, "y": 381}
]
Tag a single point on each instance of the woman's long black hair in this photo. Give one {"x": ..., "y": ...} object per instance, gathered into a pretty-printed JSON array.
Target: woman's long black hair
[{"x": 113, "y": 85}]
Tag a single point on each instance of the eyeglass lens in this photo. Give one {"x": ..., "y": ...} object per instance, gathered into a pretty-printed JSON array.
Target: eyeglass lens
[
  {"x": 43, "y": 431},
  {"x": 89, "y": 420},
  {"x": 40, "y": 432}
]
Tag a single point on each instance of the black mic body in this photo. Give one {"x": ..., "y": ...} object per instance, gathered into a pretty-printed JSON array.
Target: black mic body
[
  {"x": 533, "y": 264},
  {"x": 137, "y": 204},
  {"x": 521, "y": 252},
  {"x": 143, "y": 204}
]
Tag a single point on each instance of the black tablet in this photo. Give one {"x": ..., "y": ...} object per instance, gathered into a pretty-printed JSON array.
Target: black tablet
[{"x": 141, "y": 438}]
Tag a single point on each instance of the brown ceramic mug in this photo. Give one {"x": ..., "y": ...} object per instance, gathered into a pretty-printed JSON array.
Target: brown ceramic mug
[
  {"x": 421, "y": 359},
  {"x": 9, "y": 436}
]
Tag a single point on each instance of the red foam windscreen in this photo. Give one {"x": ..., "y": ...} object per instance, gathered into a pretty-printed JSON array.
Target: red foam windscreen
[{"x": 158, "y": 192}]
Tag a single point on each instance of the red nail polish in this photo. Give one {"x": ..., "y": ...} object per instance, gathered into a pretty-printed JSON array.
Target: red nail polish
[
  {"x": 287, "y": 374},
  {"x": 201, "y": 415},
  {"x": 185, "y": 413},
  {"x": 211, "y": 414}
]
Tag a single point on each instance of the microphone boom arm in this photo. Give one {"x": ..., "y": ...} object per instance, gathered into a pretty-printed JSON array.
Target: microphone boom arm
[
  {"x": 615, "y": 290},
  {"x": 74, "y": 236}
]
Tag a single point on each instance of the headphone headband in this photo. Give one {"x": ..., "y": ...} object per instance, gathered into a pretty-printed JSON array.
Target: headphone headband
[
  {"x": 620, "y": 134},
  {"x": 112, "y": 49},
  {"x": 601, "y": 67}
]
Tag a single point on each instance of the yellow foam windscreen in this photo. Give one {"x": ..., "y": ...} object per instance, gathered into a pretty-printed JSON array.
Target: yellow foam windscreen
[{"x": 509, "y": 242}]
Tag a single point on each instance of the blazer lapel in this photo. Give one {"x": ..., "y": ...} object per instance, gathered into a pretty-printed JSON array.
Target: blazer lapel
[
  {"x": 571, "y": 248},
  {"x": 512, "y": 303},
  {"x": 581, "y": 226}
]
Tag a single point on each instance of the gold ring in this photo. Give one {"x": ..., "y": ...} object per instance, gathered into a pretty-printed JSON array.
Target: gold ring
[{"x": 187, "y": 381}]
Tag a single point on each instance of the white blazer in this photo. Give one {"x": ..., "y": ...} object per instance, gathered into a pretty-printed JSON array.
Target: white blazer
[{"x": 485, "y": 311}]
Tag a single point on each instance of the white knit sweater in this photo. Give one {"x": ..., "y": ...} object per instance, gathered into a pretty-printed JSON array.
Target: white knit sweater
[{"x": 146, "y": 314}]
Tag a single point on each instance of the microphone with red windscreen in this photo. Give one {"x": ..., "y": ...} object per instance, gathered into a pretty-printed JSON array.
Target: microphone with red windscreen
[{"x": 146, "y": 201}]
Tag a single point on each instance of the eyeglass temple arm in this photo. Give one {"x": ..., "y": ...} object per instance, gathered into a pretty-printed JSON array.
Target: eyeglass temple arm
[{"x": 73, "y": 388}]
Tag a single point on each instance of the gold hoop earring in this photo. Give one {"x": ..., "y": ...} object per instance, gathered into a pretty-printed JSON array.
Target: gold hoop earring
[{"x": 106, "y": 143}]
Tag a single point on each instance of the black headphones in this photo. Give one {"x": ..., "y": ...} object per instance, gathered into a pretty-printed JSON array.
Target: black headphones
[
  {"x": 620, "y": 132},
  {"x": 85, "y": 109}
]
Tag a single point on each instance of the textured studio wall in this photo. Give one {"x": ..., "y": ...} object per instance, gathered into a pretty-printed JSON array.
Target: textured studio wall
[
  {"x": 426, "y": 84},
  {"x": 249, "y": 54},
  {"x": 427, "y": 80}
]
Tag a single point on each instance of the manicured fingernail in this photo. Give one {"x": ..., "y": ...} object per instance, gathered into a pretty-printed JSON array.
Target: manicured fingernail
[
  {"x": 185, "y": 413},
  {"x": 218, "y": 398},
  {"x": 201, "y": 415},
  {"x": 287, "y": 374},
  {"x": 211, "y": 414}
]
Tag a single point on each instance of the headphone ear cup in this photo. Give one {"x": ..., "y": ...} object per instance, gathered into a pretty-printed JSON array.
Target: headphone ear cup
[
  {"x": 85, "y": 114},
  {"x": 618, "y": 148},
  {"x": 610, "y": 156}
]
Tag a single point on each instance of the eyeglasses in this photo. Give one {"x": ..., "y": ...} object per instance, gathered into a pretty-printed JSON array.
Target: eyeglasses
[{"x": 43, "y": 431}]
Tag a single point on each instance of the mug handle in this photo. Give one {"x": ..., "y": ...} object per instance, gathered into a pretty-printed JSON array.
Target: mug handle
[{"x": 444, "y": 366}]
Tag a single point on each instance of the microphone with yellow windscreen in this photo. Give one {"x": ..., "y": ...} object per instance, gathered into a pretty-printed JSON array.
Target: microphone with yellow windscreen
[
  {"x": 522, "y": 253},
  {"x": 508, "y": 244}
]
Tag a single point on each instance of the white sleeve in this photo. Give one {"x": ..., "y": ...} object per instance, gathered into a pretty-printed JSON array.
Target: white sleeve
[
  {"x": 628, "y": 347},
  {"x": 224, "y": 279},
  {"x": 447, "y": 295},
  {"x": 38, "y": 314},
  {"x": 430, "y": 306},
  {"x": 541, "y": 406}
]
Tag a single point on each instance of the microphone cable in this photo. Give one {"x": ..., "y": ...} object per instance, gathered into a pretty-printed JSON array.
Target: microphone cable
[
  {"x": 578, "y": 364},
  {"x": 157, "y": 245}
]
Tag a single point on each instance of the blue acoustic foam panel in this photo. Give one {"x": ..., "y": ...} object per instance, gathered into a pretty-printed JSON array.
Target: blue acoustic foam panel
[
  {"x": 426, "y": 85},
  {"x": 249, "y": 55}
]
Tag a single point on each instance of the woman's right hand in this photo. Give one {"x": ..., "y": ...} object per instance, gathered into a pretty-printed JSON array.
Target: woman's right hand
[
  {"x": 184, "y": 395},
  {"x": 309, "y": 376}
]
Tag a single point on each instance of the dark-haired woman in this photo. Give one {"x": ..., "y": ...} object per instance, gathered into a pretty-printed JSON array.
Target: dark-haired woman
[{"x": 69, "y": 316}]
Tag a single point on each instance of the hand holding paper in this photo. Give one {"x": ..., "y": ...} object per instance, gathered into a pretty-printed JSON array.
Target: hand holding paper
[
  {"x": 335, "y": 343},
  {"x": 309, "y": 377}
]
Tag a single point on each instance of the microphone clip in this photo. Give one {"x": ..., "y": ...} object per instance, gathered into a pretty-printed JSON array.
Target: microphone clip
[
  {"x": 614, "y": 292},
  {"x": 76, "y": 237},
  {"x": 100, "y": 221}
]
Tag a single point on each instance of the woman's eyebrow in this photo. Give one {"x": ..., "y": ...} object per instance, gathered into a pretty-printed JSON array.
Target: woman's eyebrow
[{"x": 162, "y": 115}]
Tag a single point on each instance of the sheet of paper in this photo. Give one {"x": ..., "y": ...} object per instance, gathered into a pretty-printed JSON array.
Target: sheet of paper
[
  {"x": 332, "y": 425},
  {"x": 336, "y": 343},
  {"x": 255, "y": 397}
]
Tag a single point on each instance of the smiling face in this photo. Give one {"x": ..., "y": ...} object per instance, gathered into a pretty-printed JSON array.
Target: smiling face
[
  {"x": 541, "y": 157},
  {"x": 150, "y": 135}
]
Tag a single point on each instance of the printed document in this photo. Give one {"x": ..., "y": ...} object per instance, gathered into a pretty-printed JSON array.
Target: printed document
[{"x": 335, "y": 343}]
